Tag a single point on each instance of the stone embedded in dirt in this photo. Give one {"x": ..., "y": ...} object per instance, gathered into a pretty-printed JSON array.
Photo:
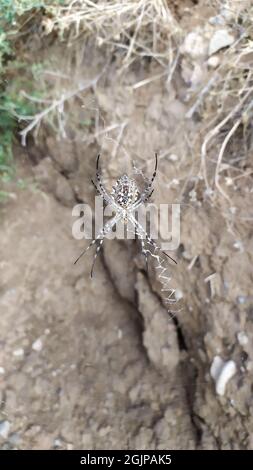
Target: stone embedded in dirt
[
  {"x": 213, "y": 62},
  {"x": 2, "y": 370},
  {"x": 4, "y": 429},
  {"x": 217, "y": 20},
  {"x": 173, "y": 157},
  {"x": 242, "y": 338},
  {"x": 194, "y": 45},
  {"x": 37, "y": 345},
  {"x": 222, "y": 371},
  {"x": 58, "y": 442},
  {"x": 221, "y": 38}
]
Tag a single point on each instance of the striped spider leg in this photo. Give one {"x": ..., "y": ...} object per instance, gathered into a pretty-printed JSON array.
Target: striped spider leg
[
  {"x": 144, "y": 197},
  {"x": 101, "y": 189},
  {"x": 148, "y": 191},
  {"x": 143, "y": 234},
  {"x": 100, "y": 238}
]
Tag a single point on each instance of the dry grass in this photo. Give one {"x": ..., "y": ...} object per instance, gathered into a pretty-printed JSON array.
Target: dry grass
[
  {"x": 137, "y": 28},
  {"x": 227, "y": 105}
]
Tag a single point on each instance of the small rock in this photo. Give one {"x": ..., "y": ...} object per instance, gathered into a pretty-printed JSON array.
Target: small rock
[
  {"x": 221, "y": 38},
  {"x": 37, "y": 345},
  {"x": 57, "y": 443},
  {"x": 213, "y": 62},
  {"x": 216, "y": 367},
  {"x": 178, "y": 294},
  {"x": 173, "y": 157},
  {"x": 194, "y": 45},
  {"x": 217, "y": 20},
  {"x": 222, "y": 372},
  {"x": 241, "y": 299},
  {"x": 19, "y": 352},
  {"x": 4, "y": 429},
  {"x": 242, "y": 338},
  {"x": 2, "y": 370},
  {"x": 238, "y": 245}
]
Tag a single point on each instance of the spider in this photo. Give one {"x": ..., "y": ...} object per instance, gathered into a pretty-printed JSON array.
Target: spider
[{"x": 124, "y": 198}]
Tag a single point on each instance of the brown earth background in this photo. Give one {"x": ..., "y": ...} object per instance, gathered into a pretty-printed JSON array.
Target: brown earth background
[{"x": 99, "y": 363}]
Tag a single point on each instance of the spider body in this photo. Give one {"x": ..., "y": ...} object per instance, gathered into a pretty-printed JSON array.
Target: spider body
[
  {"x": 125, "y": 193},
  {"x": 125, "y": 198}
]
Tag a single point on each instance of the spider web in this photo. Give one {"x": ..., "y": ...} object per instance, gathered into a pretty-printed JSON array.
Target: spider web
[
  {"x": 103, "y": 135},
  {"x": 160, "y": 264}
]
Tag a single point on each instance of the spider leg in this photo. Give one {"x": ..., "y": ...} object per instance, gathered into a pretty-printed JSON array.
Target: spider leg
[
  {"x": 154, "y": 174},
  {"x": 100, "y": 188},
  {"x": 103, "y": 232},
  {"x": 147, "y": 192},
  {"x": 99, "y": 192},
  {"x": 148, "y": 196},
  {"x": 150, "y": 240},
  {"x": 144, "y": 198},
  {"x": 99, "y": 246}
]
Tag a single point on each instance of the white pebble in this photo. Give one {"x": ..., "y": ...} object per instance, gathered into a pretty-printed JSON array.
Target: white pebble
[
  {"x": 19, "y": 352},
  {"x": 239, "y": 245},
  {"x": 216, "y": 20},
  {"x": 222, "y": 372},
  {"x": 2, "y": 370},
  {"x": 4, "y": 429},
  {"x": 194, "y": 45},
  {"x": 213, "y": 61},
  {"x": 221, "y": 38},
  {"x": 242, "y": 338},
  {"x": 37, "y": 345},
  {"x": 178, "y": 294},
  {"x": 57, "y": 443},
  {"x": 216, "y": 367},
  {"x": 173, "y": 157}
]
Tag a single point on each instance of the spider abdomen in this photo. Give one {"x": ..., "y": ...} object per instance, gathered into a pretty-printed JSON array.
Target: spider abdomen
[{"x": 125, "y": 191}]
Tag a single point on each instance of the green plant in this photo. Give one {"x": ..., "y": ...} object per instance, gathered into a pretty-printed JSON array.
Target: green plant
[{"x": 12, "y": 103}]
